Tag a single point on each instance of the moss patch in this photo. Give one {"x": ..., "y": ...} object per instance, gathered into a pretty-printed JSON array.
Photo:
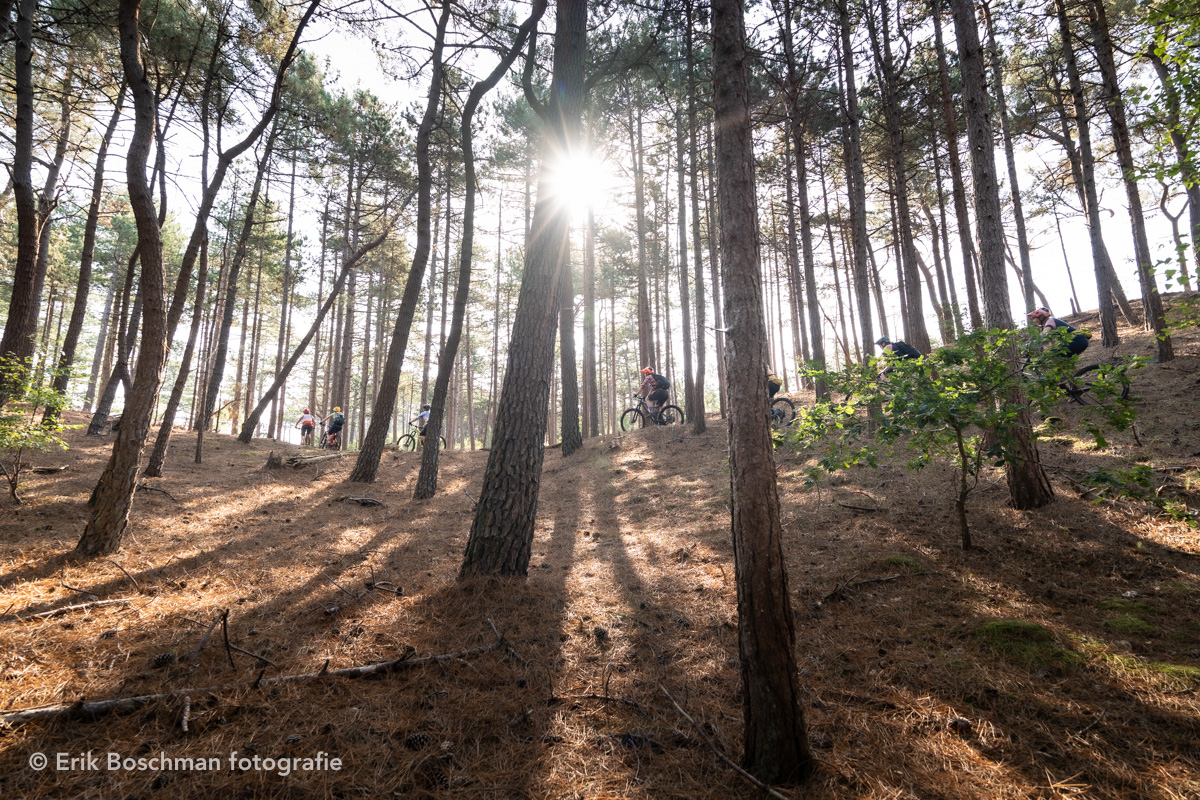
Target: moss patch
[{"x": 1025, "y": 644}]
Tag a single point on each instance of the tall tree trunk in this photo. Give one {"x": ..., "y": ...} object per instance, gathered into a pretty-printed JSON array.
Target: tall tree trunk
[
  {"x": 103, "y": 340},
  {"x": 221, "y": 352},
  {"x": 427, "y": 478},
  {"x": 775, "y": 746},
  {"x": 1028, "y": 486},
  {"x": 389, "y": 381},
  {"x": 1185, "y": 150},
  {"x": 699, "y": 423},
  {"x": 685, "y": 300},
  {"x": 502, "y": 532},
  {"x": 252, "y": 419},
  {"x": 1014, "y": 184},
  {"x": 956, "y": 172},
  {"x": 591, "y": 385},
  {"x": 113, "y": 498},
  {"x": 1108, "y": 317},
  {"x": 644, "y": 320},
  {"x": 158, "y": 455},
  {"x": 19, "y": 327},
  {"x": 914, "y": 317},
  {"x": 855, "y": 181},
  {"x": 713, "y": 259},
  {"x": 1152, "y": 305},
  {"x": 83, "y": 285}
]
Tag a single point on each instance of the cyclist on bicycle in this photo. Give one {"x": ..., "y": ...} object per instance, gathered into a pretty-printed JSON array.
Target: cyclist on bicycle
[
  {"x": 421, "y": 421},
  {"x": 336, "y": 422},
  {"x": 306, "y": 424},
  {"x": 774, "y": 384},
  {"x": 900, "y": 349},
  {"x": 654, "y": 388},
  {"x": 1077, "y": 344}
]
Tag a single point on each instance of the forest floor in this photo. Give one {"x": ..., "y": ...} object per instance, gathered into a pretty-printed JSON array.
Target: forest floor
[{"x": 1060, "y": 658}]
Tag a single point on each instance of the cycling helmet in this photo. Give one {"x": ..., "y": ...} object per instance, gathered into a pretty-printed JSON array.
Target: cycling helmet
[
  {"x": 647, "y": 370},
  {"x": 425, "y": 407},
  {"x": 306, "y": 411},
  {"x": 882, "y": 340},
  {"x": 337, "y": 409},
  {"x": 1039, "y": 311}
]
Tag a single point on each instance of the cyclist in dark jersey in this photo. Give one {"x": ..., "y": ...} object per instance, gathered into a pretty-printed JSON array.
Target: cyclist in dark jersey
[
  {"x": 1076, "y": 345},
  {"x": 900, "y": 349}
]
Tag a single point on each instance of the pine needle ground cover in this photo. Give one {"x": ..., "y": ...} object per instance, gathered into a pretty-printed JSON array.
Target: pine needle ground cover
[{"x": 1060, "y": 658}]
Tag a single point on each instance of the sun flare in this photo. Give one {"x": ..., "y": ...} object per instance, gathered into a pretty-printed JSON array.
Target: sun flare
[{"x": 581, "y": 182}]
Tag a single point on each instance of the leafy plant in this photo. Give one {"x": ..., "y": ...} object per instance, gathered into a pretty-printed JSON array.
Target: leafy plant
[
  {"x": 964, "y": 403},
  {"x": 20, "y": 431}
]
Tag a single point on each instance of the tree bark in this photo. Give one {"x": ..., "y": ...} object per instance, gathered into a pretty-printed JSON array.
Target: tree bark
[
  {"x": 114, "y": 491},
  {"x": 956, "y": 172},
  {"x": 685, "y": 300},
  {"x": 1028, "y": 486},
  {"x": 385, "y": 403},
  {"x": 855, "y": 181},
  {"x": 1152, "y": 306},
  {"x": 1185, "y": 151},
  {"x": 699, "y": 423},
  {"x": 83, "y": 285},
  {"x": 1108, "y": 317},
  {"x": 427, "y": 478},
  {"x": 19, "y": 327},
  {"x": 775, "y": 741},
  {"x": 502, "y": 532}
]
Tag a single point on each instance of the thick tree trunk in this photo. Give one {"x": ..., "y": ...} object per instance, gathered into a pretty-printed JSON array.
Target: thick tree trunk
[
  {"x": 502, "y": 533},
  {"x": 699, "y": 423},
  {"x": 1028, "y": 486},
  {"x": 114, "y": 492},
  {"x": 775, "y": 744},
  {"x": 385, "y": 403},
  {"x": 644, "y": 316}
]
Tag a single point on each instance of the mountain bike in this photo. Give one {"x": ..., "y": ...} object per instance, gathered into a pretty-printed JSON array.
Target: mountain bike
[
  {"x": 783, "y": 412},
  {"x": 1076, "y": 389},
  {"x": 330, "y": 441},
  {"x": 412, "y": 440},
  {"x": 640, "y": 415}
]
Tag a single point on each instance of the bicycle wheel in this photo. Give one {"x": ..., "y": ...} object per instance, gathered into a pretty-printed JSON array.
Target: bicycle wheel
[
  {"x": 324, "y": 441},
  {"x": 442, "y": 442},
  {"x": 407, "y": 443},
  {"x": 632, "y": 418},
  {"x": 783, "y": 412},
  {"x": 1087, "y": 385},
  {"x": 670, "y": 415}
]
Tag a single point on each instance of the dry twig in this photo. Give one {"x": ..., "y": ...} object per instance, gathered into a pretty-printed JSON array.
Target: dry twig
[
  {"x": 755, "y": 781},
  {"x": 850, "y": 584}
]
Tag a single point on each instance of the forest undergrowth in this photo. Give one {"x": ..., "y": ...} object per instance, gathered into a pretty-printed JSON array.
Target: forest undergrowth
[{"x": 1059, "y": 658}]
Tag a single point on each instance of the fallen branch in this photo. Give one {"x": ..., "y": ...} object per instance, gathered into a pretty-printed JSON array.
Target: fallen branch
[
  {"x": 1093, "y": 723},
  {"x": 136, "y": 585},
  {"x": 86, "y": 710},
  {"x": 150, "y": 488},
  {"x": 362, "y": 501},
  {"x": 753, "y": 780},
  {"x": 54, "y": 612},
  {"x": 187, "y": 713},
  {"x": 858, "y": 508},
  {"x": 601, "y": 697},
  {"x": 48, "y": 470},
  {"x": 851, "y": 584},
  {"x": 296, "y": 462}
]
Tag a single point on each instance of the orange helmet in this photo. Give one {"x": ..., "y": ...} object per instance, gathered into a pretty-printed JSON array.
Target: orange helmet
[{"x": 647, "y": 370}]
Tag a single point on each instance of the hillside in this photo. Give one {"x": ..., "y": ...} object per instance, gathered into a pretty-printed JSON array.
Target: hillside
[{"x": 1059, "y": 658}]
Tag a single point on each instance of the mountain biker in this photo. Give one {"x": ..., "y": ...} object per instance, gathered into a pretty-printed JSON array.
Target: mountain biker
[
  {"x": 900, "y": 349},
  {"x": 421, "y": 421},
  {"x": 306, "y": 424},
  {"x": 336, "y": 422},
  {"x": 1077, "y": 344},
  {"x": 774, "y": 384},
  {"x": 654, "y": 388}
]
